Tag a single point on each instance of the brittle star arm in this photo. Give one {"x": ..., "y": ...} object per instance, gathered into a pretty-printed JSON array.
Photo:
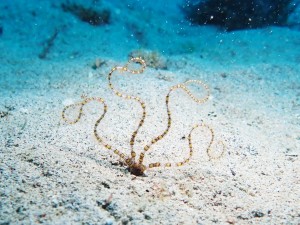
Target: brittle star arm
[
  {"x": 125, "y": 96},
  {"x": 156, "y": 139},
  {"x": 97, "y": 136}
]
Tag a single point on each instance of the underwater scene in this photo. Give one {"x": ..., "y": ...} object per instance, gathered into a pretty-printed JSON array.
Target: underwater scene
[{"x": 149, "y": 112}]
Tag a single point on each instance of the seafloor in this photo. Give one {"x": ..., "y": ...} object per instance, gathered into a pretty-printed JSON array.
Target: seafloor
[{"x": 52, "y": 172}]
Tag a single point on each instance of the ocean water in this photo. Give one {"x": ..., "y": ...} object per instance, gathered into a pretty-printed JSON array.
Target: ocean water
[
  {"x": 54, "y": 52},
  {"x": 27, "y": 29}
]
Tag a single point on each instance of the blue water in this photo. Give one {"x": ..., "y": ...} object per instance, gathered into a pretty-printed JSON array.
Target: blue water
[
  {"x": 26, "y": 26},
  {"x": 39, "y": 33}
]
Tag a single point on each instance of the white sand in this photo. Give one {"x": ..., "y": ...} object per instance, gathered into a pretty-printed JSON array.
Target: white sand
[{"x": 55, "y": 173}]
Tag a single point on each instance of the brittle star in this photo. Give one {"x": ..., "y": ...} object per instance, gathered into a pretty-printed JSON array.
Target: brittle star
[{"x": 137, "y": 167}]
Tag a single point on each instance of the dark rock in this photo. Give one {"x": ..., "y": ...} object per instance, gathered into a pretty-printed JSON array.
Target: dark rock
[
  {"x": 87, "y": 15},
  {"x": 257, "y": 214},
  {"x": 106, "y": 185},
  {"x": 147, "y": 217},
  {"x": 3, "y": 114},
  {"x": 237, "y": 14},
  {"x": 1, "y": 30},
  {"x": 20, "y": 210}
]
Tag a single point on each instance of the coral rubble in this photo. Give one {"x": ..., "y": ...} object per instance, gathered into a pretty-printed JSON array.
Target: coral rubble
[{"x": 153, "y": 58}]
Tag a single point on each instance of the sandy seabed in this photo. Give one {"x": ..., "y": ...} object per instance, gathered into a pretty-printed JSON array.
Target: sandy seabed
[{"x": 55, "y": 173}]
